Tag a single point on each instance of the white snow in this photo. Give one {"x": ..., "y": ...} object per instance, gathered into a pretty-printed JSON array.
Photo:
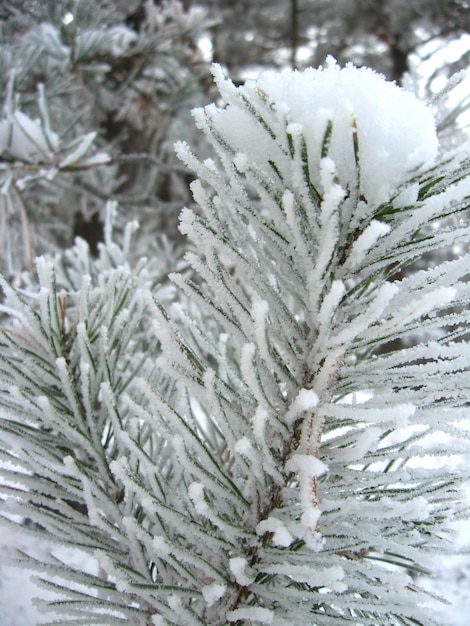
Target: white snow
[
  {"x": 308, "y": 468},
  {"x": 330, "y": 577},
  {"x": 244, "y": 447},
  {"x": 160, "y": 545},
  {"x": 331, "y": 302},
  {"x": 356, "y": 101},
  {"x": 397, "y": 414},
  {"x": 365, "y": 443},
  {"x": 407, "y": 196},
  {"x": 421, "y": 306},
  {"x": 251, "y": 613},
  {"x": 213, "y": 592},
  {"x": 371, "y": 314},
  {"x": 259, "y": 421},
  {"x": 305, "y": 400},
  {"x": 260, "y": 309},
  {"x": 238, "y": 566},
  {"x": 174, "y": 602},
  {"x": 361, "y": 103},
  {"x": 246, "y": 365},
  {"x": 281, "y": 536},
  {"x": 333, "y": 193},
  {"x": 17, "y": 591},
  {"x": 24, "y": 138},
  {"x": 196, "y": 493},
  {"x": 309, "y": 520},
  {"x": 367, "y": 239},
  {"x": 306, "y": 464},
  {"x": 240, "y": 160}
]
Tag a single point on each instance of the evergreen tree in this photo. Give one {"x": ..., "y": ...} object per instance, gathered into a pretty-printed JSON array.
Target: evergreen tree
[
  {"x": 94, "y": 100},
  {"x": 255, "y": 454}
]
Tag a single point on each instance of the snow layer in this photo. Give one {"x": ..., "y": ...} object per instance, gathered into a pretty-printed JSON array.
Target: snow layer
[
  {"x": 213, "y": 592},
  {"x": 281, "y": 536},
  {"x": 25, "y": 139},
  {"x": 255, "y": 614},
  {"x": 238, "y": 566},
  {"x": 360, "y": 103},
  {"x": 17, "y": 590}
]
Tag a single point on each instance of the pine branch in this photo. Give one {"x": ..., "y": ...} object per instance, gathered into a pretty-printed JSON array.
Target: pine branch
[{"x": 256, "y": 453}]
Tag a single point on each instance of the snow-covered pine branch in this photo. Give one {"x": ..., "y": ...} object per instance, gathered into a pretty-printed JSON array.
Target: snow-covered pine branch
[
  {"x": 70, "y": 352},
  {"x": 325, "y": 186},
  {"x": 258, "y": 453}
]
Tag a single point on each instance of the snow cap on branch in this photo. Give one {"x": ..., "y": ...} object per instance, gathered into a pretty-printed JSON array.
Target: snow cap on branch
[{"x": 359, "y": 103}]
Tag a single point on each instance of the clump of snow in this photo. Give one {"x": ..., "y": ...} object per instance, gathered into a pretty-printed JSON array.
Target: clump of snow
[
  {"x": 240, "y": 161},
  {"x": 196, "y": 493},
  {"x": 308, "y": 467},
  {"x": 243, "y": 446},
  {"x": 329, "y": 577},
  {"x": 238, "y": 566},
  {"x": 304, "y": 401},
  {"x": 259, "y": 421},
  {"x": 160, "y": 545},
  {"x": 407, "y": 196},
  {"x": 213, "y": 592},
  {"x": 260, "y": 311},
  {"x": 393, "y": 131},
  {"x": 25, "y": 139},
  {"x": 306, "y": 464},
  {"x": 246, "y": 365},
  {"x": 174, "y": 602},
  {"x": 253, "y": 614},
  {"x": 281, "y": 536}
]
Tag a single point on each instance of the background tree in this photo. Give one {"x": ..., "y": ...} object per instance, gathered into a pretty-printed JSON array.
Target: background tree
[
  {"x": 382, "y": 34},
  {"x": 118, "y": 81}
]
